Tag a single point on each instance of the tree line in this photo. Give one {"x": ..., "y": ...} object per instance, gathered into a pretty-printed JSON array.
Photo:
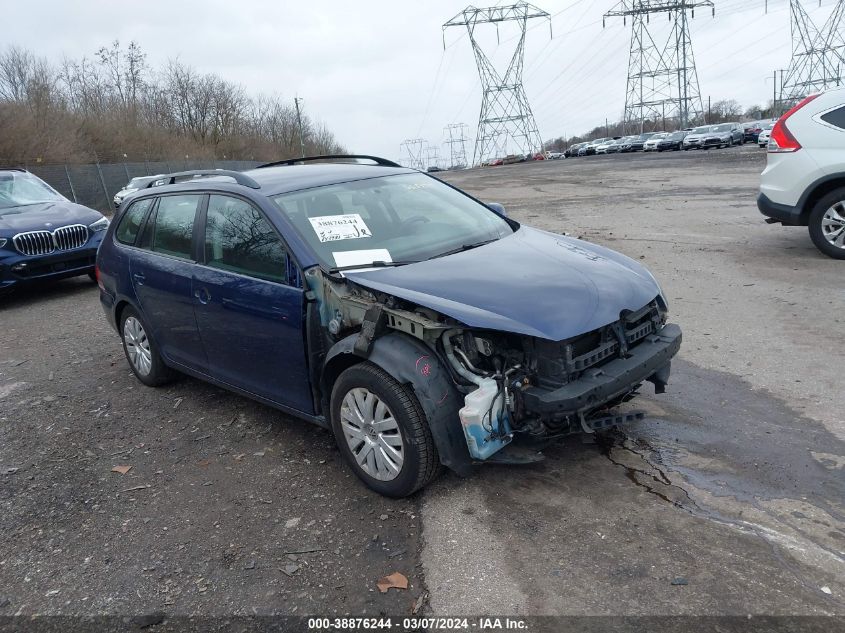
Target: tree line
[{"x": 114, "y": 106}]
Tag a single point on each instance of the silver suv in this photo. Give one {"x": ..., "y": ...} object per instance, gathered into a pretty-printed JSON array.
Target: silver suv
[{"x": 804, "y": 181}]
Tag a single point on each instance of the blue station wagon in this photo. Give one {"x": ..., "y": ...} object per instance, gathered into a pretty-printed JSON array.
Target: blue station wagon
[{"x": 423, "y": 327}]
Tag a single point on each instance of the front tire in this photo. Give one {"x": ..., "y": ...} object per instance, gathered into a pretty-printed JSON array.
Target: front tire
[
  {"x": 827, "y": 224},
  {"x": 141, "y": 351},
  {"x": 382, "y": 431}
]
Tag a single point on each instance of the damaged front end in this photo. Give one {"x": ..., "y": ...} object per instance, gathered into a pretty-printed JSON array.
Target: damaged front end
[{"x": 502, "y": 384}]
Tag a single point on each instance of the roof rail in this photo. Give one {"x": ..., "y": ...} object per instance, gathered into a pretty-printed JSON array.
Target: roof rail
[
  {"x": 382, "y": 162},
  {"x": 238, "y": 177}
]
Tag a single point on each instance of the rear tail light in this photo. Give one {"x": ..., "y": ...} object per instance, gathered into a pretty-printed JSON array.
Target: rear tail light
[{"x": 781, "y": 139}]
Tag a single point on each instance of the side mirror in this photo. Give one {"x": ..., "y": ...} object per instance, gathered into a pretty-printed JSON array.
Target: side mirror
[{"x": 497, "y": 208}]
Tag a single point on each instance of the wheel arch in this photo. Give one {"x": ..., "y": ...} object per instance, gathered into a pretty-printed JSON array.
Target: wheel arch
[
  {"x": 417, "y": 366},
  {"x": 119, "y": 307},
  {"x": 817, "y": 191}
]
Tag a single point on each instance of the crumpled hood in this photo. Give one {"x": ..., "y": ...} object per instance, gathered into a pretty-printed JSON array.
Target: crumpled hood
[
  {"x": 532, "y": 282},
  {"x": 35, "y": 217}
]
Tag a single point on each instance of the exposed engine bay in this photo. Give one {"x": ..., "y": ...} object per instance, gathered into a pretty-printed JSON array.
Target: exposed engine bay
[{"x": 512, "y": 383}]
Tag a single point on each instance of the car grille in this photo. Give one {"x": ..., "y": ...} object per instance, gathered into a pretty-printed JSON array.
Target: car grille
[
  {"x": 559, "y": 363},
  {"x": 66, "y": 238}
]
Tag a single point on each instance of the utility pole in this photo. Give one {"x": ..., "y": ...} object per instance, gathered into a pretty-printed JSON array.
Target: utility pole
[
  {"x": 660, "y": 75},
  {"x": 296, "y": 100},
  {"x": 818, "y": 54},
  {"x": 775, "y": 93},
  {"x": 505, "y": 112}
]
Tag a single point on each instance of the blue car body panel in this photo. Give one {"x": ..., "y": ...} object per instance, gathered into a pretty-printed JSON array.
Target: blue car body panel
[
  {"x": 252, "y": 333},
  {"x": 538, "y": 284},
  {"x": 164, "y": 290}
]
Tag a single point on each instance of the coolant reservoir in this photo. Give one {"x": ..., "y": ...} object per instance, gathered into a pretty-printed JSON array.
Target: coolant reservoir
[{"x": 474, "y": 417}]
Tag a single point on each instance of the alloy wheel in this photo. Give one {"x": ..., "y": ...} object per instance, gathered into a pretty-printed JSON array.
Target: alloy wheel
[
  {"x": 372, "y": 434},
  {"x": 137, "y": 346},
  {"x": 833, "y": 225}
]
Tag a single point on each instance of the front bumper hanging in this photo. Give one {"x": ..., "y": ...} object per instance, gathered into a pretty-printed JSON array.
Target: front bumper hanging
[{"x": 650, "y": 359}]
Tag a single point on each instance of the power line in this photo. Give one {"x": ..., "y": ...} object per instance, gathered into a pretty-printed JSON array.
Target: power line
[
  {"x": 818, "y": 54},
  {"x": 413, "y": 152},
  {"x": 457, "y": 144},
  {"x": 505, "y": 112},
  {"x": 661, "y": 78}
]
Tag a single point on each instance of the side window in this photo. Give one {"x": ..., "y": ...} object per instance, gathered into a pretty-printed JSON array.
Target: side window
[
  {"x": 239, "y": 239},
  {"x": 130, "y": 223},
  {"x": 835, "y": 117},
  {"x": 174, "y": 225}
]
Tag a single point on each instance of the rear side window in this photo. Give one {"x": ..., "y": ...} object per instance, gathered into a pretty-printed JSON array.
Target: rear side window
[
  {"x": 239, "y": 239},
  {"x": 835, "y": 117},
  {"x": 130, "y": 223},
  {"x": 174, "y": 226}
]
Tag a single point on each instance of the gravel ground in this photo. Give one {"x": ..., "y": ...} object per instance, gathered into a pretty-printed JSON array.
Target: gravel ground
[{"x": 726, "y": 500}]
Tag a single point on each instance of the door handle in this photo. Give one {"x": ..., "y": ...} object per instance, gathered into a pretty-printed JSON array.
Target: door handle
[
  {"x": 203, "y": 295},
  {"x": 139, "y": 278}
]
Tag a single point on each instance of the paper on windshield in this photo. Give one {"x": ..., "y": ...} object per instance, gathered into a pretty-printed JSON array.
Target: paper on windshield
[
  {"x": 358, "y": 258},
  {"x": 331, "y": 228}
]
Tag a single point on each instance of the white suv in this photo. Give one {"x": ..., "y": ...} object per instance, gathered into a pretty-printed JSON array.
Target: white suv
[{"x": 804, "y": 181}]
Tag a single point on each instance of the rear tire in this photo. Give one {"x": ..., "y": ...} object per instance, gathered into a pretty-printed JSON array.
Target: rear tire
[
  {"x": 141, "y": 351},
  {"x": 382, "y": 431},
  {"x": 827, "y": 224}
]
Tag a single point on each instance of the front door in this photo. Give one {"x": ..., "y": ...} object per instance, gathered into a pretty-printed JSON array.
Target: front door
[
  {"x": 250, "y": 317},
  {"x": 162, "y": 275}
]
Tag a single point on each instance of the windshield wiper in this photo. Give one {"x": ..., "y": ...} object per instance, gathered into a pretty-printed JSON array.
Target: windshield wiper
[
  {"x": 465, "y": 247},
  {"x": 375, "y": 264}
]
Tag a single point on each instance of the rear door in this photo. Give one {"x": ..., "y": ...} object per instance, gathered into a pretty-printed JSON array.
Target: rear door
[
  {"x": 161, "y": 270},
  {"x": 250, "y": 305}
]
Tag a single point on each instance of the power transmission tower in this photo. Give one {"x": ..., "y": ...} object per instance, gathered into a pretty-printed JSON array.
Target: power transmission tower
[
  {"x": 818, "y": 55},
  {"x": 505, "y": 113},
  {"x": 457, "y": 144},
  {"x": 414, "y": 152},
  {"x": 432, "y": 156},
  {"x": 662, "y": 78}
]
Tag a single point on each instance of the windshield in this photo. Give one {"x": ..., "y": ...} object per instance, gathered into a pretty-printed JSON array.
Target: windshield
[
  {"x": 677, "y": 136},
  {"x": 19, "y": 188},
  {"x": 659, "y": 136},
  {"x": 403, "y": 218},
  {"x": 722, "y": 128},
  {"x": 137, "y": 183},
  {"x": 701, "y": 130}
]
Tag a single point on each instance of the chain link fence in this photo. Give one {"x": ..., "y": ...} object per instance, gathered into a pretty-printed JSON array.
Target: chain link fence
[{"x": 94, "y": 185}]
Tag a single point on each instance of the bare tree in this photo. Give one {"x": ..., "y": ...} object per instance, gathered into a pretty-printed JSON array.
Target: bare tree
[{"x": 114, "y": 104}]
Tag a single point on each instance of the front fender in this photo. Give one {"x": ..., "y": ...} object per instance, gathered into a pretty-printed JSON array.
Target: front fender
[{"x": 412, "y": 363}]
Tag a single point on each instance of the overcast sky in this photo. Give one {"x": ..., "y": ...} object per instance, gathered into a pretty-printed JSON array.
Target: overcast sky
[{"x": 376, "y": 72}]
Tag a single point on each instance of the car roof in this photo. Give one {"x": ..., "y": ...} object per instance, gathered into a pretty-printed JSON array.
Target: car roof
[{"x": 275, "y": 180}]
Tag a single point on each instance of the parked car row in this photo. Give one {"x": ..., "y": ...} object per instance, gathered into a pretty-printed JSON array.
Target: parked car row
[
  {"x": 702, "y": 137},
  {"x": 752, "y": 129}
]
